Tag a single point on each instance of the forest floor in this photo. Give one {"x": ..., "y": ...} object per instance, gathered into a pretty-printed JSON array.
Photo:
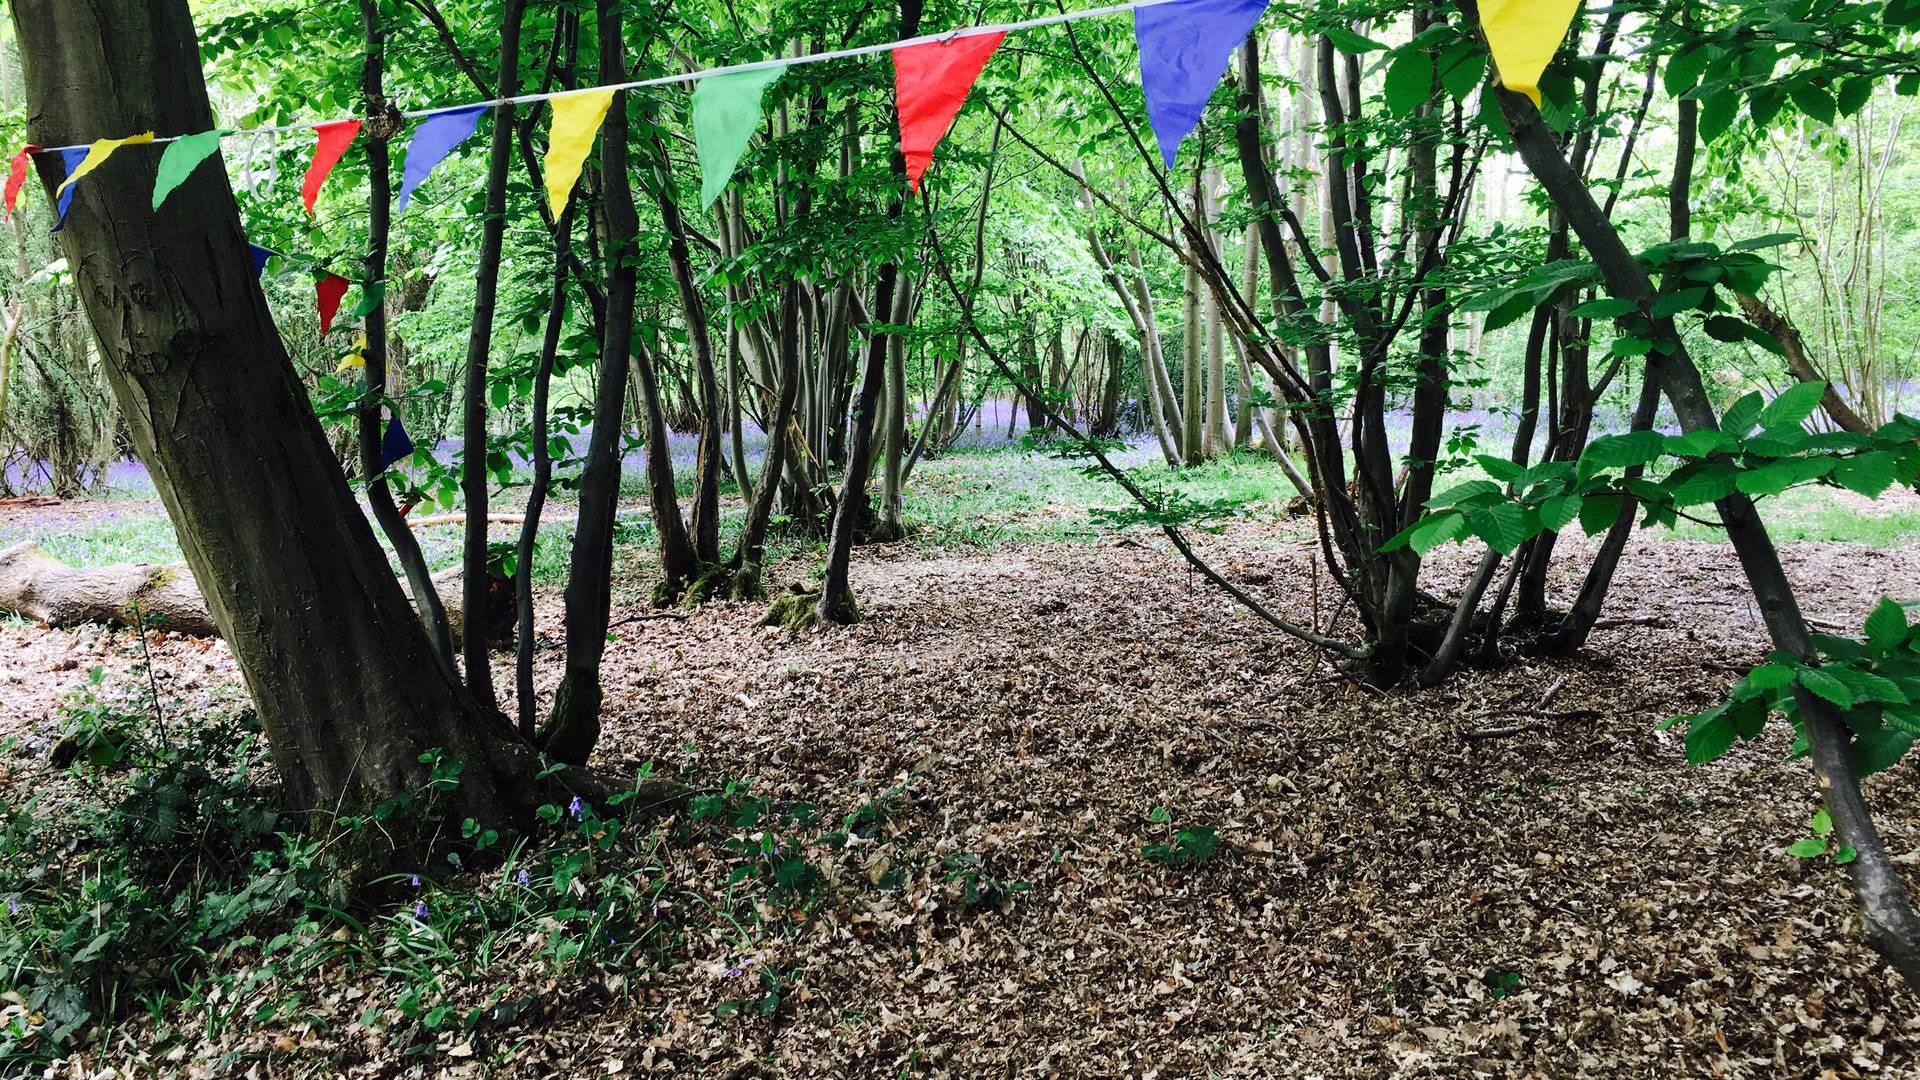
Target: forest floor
[{"x": 1099, "y": 822}]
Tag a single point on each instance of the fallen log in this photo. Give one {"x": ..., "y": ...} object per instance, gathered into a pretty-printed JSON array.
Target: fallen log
[{"x": 38, "y": 586}]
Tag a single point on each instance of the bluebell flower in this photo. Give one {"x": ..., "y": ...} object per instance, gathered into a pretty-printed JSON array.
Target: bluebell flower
[
  {"x": 736, "y": 972},
  {"x": 522, "y": 877},
  {"x": 577, "y": 808},
  {"x": 420, "y": 909},
  {"x": 416, "y": 881}
]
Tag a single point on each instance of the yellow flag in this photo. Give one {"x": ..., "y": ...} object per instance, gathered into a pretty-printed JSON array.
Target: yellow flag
[
  {"x": 1524, "y": 35},
  {"x": 576, "y": 120},
  {"x": 97, "y": 154}
]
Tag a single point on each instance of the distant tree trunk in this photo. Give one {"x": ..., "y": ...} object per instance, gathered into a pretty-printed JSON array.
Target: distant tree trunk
[
  {"x": 1243, "y": 404},
  {"x": 392, "y": 522},
  {"x": 473, "y": 476},
  {"x": 1193, "y": 404},
  {"x": 542, "y": 480},
  {"x": 693, "y": 305},
  {"x": 573, "y": 727},
  {"x": 893, "y": 454},
  {"x": 836, "y": 604},
  {"x": 340, "y": 668},
  {"x": 1214, "y": 438}
]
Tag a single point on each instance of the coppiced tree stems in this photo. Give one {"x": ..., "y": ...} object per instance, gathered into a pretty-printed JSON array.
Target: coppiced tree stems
[{"x": 1892, "y": 926}]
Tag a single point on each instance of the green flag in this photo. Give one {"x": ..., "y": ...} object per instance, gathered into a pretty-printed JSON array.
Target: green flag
[
  {"x": 726, "y": 109},
  {"x": 182, "y": 157}
]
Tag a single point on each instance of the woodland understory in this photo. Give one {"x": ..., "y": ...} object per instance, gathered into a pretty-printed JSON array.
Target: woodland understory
[{"x": 1470, "y": 878}]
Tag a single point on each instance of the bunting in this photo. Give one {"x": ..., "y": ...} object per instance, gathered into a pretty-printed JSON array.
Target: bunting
[
  {"x": 726, "y": 109},
  {"x": 259, "y": 255},
  {"x": 1184, "y": 49},
  {"x": 432, "y": 141},
  {"x": 182, "y": 156},
  {"x": 396, "y": 445},
  {"x": 1523, "y": 35},
  {"x": 71, "y": 158},
  {"x": 577, "y": 117},
  {"x": 930, "y": 83},
  {"x": 334, "y": 140},
  {"x": 97, "y": 155},
  {"x": 17, "y": 176},
  {"x": 330, "y": 289}
]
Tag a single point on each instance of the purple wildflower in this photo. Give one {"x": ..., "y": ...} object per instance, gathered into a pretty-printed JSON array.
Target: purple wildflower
[
  {"x": 577, "y": 808},
  {"x": 13, "y": 907},
  {"x": 416, "y": 881},
  {"x": 736, "y": 972},
  {"x": 522, "y": 877},
  {"x": 420, "y": 909}
]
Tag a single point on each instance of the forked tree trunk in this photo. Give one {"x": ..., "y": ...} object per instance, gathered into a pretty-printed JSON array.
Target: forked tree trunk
[{"x": 340, "y": 668}]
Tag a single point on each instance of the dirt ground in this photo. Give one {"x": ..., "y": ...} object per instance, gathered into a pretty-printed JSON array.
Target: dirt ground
[{"x": 1569, "y": 900}]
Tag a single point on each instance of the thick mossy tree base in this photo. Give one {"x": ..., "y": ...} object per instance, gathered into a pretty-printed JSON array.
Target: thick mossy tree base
[
  {"x": 797, "y": 608},
  {"x": 574, "y": 725},
  {"x": 718, "y": 581}
]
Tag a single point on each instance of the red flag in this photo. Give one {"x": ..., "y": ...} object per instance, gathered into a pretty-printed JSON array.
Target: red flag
[
  {"x": 331, "y": 289},
  {"x": 334, "y": 140},
  {"x": 930, "y": 82},
  {"x": 21, "y": 162}
]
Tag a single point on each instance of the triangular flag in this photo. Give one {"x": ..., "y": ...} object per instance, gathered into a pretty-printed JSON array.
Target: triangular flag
[
  {"x": 726, "y": 110},
  {"x": 1523, "y": 35},
  {"x": 576, "y": 120},
  {"x": 71, "y": 157},
  {"x": 97, "y": 155},
  {"x": 1184, "y": 49},
  {"x": 260, "y": 256},
  {"x": 930, "y": 82},
  {"x": 396, "y": 446},
  {"x": 432, "y": 141},
  {"x": 182, "y": 157},
  {"x": 17, "y": 176},
  {"x": 330, "y": 289},
  {"x": 334, "y": 140}
]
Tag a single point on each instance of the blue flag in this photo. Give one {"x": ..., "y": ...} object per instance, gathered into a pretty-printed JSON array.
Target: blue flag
[
  {"x": 396, "y": 446},
  {"x": 260, "y": 257},
  {"x": 71, "y": 157},
  {"x": 432, "y": 141},
  {"x": 1184, "y": 48}
]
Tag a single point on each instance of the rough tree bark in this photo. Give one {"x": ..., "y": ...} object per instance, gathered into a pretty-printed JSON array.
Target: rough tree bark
[{"x": 340, "y": 668}]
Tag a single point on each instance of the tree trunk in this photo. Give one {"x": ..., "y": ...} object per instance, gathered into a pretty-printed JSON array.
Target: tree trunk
[
  {"x": 473, "y": 474},
  {"x": 1892, "y": 926},
  {"x": 340, "y": 668},
  {"x": 574, "y": 725},
  {"x": 433, "y": 614}
]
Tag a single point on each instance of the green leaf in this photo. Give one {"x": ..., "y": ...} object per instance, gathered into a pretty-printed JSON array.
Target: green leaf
[
  {"x": 1461, "y": 69},
  {"x": 1708, "y": 736},
  {"x": 1716, "y": 114},
  {"x": 1670, "y": 304},
  {"x": 1698, "y": 443},
  {"x": 1621, "y": 451},
  {"x": 1822, "y": 822},
  {"x": 1807, "y": 848},
  {"x": 1460, "y": 493},
  {"x": 1887, "y": 624},
  {"x": 1706, "y": 484},
  {"x": 1559, "y": 511},
  {"x": 1879, "y": 749},
  {"x": 1868, "y": 474},
  {"x": 1499, "y": 468},
  {"x": 1437, "y": 530},
  {"x": 1741, "y": 416},
  {"x": 1409, "y": 81},
  {"x": 1854, "y": 94},
  {"x": 1813, "y": 99},
  {"x": 1349, "y": 42},
  {"x": 1599, "y": 512},
  {"x": 1769, "y": 677},
  {"x": 1793, "y": 405},
  {"x": 372, "y": 295},
  {"x": 1606, "y": 307},
  {"x": 1504, "y": 526},
  {"x": 1824, "y": 684}
]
